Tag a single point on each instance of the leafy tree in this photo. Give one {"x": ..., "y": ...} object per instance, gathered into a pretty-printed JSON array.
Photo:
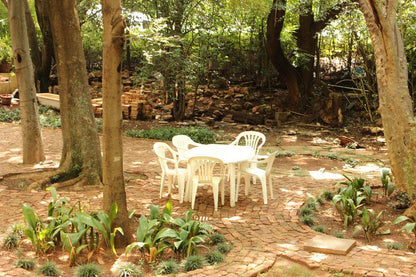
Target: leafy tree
[{"x": 298, "y": 73}]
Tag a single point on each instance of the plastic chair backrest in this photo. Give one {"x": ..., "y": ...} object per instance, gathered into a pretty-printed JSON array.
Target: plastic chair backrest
[
  {"x": 203, "y": 167},
  {"x": 251, "y": 138},
  {"x": 162, "y": 149},
  {"x": 269, "y": 162}
]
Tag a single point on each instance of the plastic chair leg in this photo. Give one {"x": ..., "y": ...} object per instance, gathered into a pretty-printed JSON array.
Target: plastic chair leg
[
  {"x": 247, "y": 184},
  {"x": 271, "y": 187},
  {"x": 162, "y": 181},
  {"x": 264, "y": 188},
  {"x": 215, "y": 193},
  {"x": 181, "y": 183}
]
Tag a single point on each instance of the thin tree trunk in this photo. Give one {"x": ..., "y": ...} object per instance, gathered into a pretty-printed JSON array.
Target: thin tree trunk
[
  {"x": 81, "y": 146},
  {"x": 32, "y": 137},
  {"x": 395, "y": 103},
  {"x": 113, "y": 179},
  {"x": 44, "y": 69},
  {"x": 33, "y": 42}
]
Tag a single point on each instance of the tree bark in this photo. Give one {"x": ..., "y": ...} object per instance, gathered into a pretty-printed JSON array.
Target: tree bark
[
  {"x": 113, "y": 179},
  {"x": 44, "y": 70},
  {"x": 32, "y": 137},
  {"x": 81, "y": 146},
  {"x": 395, "y": 102},
  {"x": 274, "y": 46}
]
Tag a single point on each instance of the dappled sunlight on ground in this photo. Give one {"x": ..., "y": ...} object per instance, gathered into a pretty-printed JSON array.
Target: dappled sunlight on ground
[
  {"x": 288, "y": 246},
  {"x": 370, "y": 248},
  {"x": 318, "y": 257},
  {"x": 319, "y": 175}
]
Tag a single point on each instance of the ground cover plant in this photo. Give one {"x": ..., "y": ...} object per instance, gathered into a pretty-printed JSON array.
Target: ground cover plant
[
  {"x": 365, "y": 212},
  {"x": 172, "y": 243},
  {"x": 198, "y": 134},
  {"x": 71, "y": 228},
  {"x": 165, "y": 243}
]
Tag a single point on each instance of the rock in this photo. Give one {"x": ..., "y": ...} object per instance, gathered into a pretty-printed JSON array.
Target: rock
[{"x": 372, "y": 130}]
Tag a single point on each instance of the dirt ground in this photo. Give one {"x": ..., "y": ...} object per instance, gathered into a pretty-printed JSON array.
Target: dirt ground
[{"x": 308, "y": 155}]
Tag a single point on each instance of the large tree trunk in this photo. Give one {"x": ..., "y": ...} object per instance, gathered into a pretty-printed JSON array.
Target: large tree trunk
[
  {"x": 113, "y": 179},
  {"x": 395, "y": 101},
  {"x": 81, "y": 146},
  {"x": 274, "y": 46},
  {"x": 32, "y": 137}
]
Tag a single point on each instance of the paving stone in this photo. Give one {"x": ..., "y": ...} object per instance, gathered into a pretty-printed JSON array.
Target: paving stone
[{"x": 329, "y": 245}]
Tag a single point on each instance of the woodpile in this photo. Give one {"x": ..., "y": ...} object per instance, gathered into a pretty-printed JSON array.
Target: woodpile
[{"x": 134, "y": 106}]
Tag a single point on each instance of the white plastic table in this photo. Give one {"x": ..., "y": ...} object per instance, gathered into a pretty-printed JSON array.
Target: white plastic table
[{"x": 231, "y": 155}]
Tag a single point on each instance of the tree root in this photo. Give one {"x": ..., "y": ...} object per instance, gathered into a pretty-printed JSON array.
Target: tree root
[{"x": 44, "y": 178}]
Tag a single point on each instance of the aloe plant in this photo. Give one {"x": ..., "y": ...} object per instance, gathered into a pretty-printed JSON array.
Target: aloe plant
[
  {"x": 150, "y": 241},
  {"x": 191, "y": 234},
  {"x": 347, "y": 207},
  {"x": 410, "y": 226},
  {"x": 37, "y": 231},
  {"x": 371, "y": 223},
  {"x": 387, "y": 182},
  {"x": 102, "y": 223}
]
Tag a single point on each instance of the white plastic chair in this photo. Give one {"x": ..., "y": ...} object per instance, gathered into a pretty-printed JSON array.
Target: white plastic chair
[
  {"x": 251, "y": 138},
  {"x": 252, "y": 169},
  {"x": 182, "y": 143},
  {"x": 169, "y": 162},
  {"x": 202, "y": 173},
  {"x": 254, "y": 140}
]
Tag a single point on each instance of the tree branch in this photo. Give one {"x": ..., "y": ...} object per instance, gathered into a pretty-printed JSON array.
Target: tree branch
[
  {"x": 330, "y": 15},
  {"x": 5, "y": 3}
]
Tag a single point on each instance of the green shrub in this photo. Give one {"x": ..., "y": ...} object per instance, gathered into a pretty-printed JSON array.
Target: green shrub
[
  {"x": 307, "y": 220},
  {"x": 129, "y": 270},
  {"x": 217, "y": 238},
  {"x": 319, "y": 228},
  {"x": 167, "y": 267},
  {"x": 49, "y": 269},
  {"x": 194, "y": 262},
  {"x": 88, "y": 270},
  {"x": 339, "y": 234},
  {"x": 285, "y": 154},
  {"x": 198, "y": 134},
  {"x": 394, "y": 246},
  {"x": 214, "y": 257},
  {"x": 311, "y": 204},
  {"x": 11, "y": 241},
  {"x": 327, "y": 195},
  {"x": 25, "y": 264},
  {"x": 305, "y": 211},
  {"x": 50, "y": 119},
  {"x": 332, "y": 156},
  {"x": 14, "y": 236},
  {"x": 9, "y": 115},
  {"x": 224, "y": 247}
]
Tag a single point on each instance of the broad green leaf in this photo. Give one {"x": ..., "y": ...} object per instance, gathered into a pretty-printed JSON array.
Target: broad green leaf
[
  {"x": 30, "y": 216},
  {"x": 400, "y": 219}
]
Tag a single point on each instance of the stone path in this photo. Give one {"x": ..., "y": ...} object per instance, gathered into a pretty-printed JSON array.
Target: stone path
[{"x": 261, "y": 234}]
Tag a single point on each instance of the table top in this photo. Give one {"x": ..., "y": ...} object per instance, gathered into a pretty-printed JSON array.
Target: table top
[{"x": 226, "y": 153}]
